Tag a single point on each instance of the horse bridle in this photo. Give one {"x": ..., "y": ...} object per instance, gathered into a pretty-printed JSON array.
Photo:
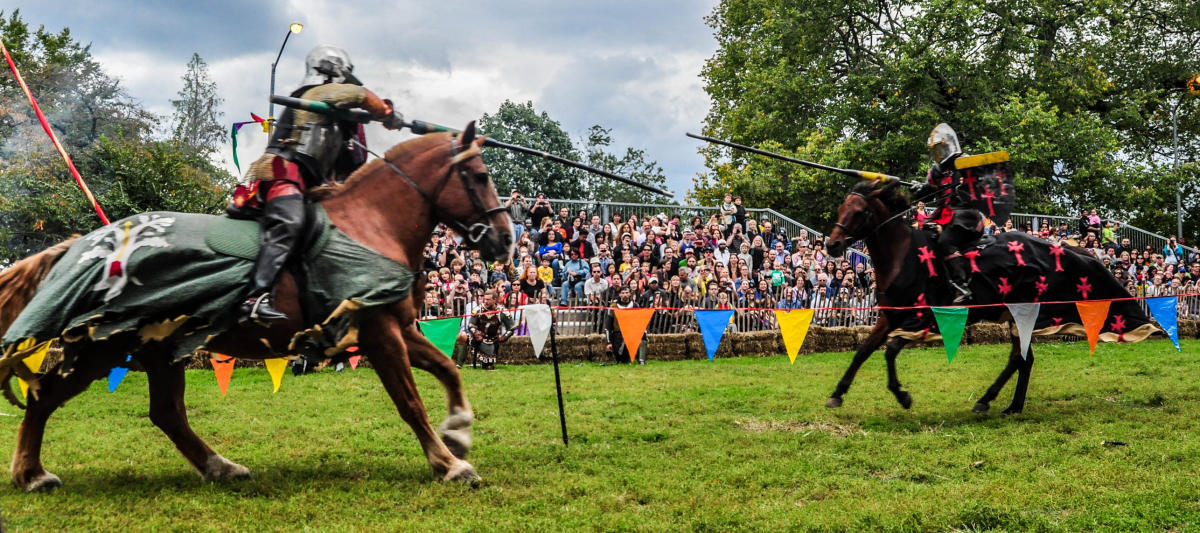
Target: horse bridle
[
  {"x": 477, "y": 230},
  {"x": 871, "y": 215}
]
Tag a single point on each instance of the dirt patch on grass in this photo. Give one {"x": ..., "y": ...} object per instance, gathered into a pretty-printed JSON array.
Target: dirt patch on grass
[{"x": 829, "y": 428}]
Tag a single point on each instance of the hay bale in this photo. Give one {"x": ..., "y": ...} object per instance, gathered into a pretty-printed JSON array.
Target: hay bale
[
  {"x": 667, "y": 347},
  {"x": 987, "y": 333},
  {"x": 1188, "y": 329}
]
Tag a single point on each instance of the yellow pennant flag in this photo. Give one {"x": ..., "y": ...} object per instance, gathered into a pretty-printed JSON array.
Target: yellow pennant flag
[
  {"x": 34, "y": 362},
  {"x": 794, "y": 327},
  {"x": 275, "y": 368}
]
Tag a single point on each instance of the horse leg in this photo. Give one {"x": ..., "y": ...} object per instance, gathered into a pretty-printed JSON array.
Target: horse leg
[
  {"x": 167, "y": 411},
  {"x": 1014, "y": 362},
  {"x": 1018, "y": 402},
  {"x": 893, "y": 349},
  {"x": 384, "y": 344},
  {"x": 873, "y": 342},
  {"x": 27, "y": 470},
  {"x": 456, "y": 428}
]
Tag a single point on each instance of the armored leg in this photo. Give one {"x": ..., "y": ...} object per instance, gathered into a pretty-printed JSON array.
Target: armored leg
[
  {"x": 960, "y": 277},
  {"x": 282, "y": 224}
]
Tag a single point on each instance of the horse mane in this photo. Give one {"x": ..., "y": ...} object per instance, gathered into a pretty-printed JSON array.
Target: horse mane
[
  {"x": 402, "y": 151},
  {"x": 890, "y": 193}
]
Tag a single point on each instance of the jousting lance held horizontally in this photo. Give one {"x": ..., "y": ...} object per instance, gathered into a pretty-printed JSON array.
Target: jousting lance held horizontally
[
  {"x": 421, "y": 128},
  {"x": 861, "y": 174}
]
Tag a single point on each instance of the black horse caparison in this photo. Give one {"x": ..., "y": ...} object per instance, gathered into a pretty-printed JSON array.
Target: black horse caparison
[{"x": 1010, "y": 267}]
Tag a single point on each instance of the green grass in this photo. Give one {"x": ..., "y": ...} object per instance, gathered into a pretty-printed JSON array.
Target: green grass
[{"x": 737, "y": 444}]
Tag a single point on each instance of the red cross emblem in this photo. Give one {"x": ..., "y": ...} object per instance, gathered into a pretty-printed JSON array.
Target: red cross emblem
[
  {"x": 926, "y": 256},
  {"x": 1004, "y": 287},
  {"x": 972, "y": 255},
  {"x": 1057, "y": 251},
  {"x": 1041, "y": 287},
  {"x": 1000, "y": 179},
  {"x": 970, "y": 181},
  {"x": 991, "y": 208},
  {"x": 1016, "y": 248},
  {"x": 1118, "y": 323},
  {"x": 1084, "y": 287}
]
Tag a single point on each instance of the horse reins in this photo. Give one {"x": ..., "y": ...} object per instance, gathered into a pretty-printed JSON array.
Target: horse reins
[
  {"x": 477, "y": 230},
  {"x": 888, "y": 220}
]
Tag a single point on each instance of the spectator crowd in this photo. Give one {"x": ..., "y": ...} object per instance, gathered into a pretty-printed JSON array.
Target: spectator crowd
[{"x": 723, "y": 260}]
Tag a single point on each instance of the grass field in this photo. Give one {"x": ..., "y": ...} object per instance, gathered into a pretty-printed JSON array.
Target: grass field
[{"x": 737, "y": 444}]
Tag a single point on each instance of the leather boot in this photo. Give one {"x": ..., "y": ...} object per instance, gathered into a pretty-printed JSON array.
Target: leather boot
[
  {"x": 282, "y": 223},
  {"x": 960, "y": 278}
]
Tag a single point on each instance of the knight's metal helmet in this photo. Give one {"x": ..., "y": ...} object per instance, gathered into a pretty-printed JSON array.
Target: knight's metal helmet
[
  {"x": 943, "y": 143},
  {"x": 328, "y": 64}
]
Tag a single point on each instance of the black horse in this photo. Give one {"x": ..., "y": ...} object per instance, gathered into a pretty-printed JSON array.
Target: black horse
[{"x": 1009, "y": 268}]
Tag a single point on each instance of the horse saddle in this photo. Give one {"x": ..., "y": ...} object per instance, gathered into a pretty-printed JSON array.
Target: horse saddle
[{"x": 237, "y": 237}]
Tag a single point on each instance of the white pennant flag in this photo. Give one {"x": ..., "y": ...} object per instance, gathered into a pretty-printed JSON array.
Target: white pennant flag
[
  {"x": 537, "y": 318},
  {"x": 1025, "y": 316}
]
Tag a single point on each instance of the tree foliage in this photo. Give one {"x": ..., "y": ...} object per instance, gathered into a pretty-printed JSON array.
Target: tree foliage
[
  {"x": 631, "y": 164},
  {"x": 522, "y": 124},
  {"x": 1080, "y": 93},
  {"x": 108, "y": 136},
  {"x": 195, "y": 124}
]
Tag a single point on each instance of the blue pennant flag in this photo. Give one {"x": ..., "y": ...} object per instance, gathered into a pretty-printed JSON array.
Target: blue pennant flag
[
  {"x": 118, "y": 374},
  {"x": 1165, "y": 312},
  {"x": 712, "y": 328}
]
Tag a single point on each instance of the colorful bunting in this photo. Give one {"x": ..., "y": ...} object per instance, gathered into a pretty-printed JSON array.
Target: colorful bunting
[
  {"x": 275, "y": 368},
  {"x": 233, "y": 134},
  {"x": 1093, "y": 315},
  {"x": 223, "y": 368},
  {"x": 793, "y": 325},
  {"x": 633, "y": 324},
  {"x": 118, "y": 374},
  {"x": 1025, "y": 317},
  {"x": 951, "y": 322},
  {"x": 34, "y": 361},
  {"x": 537, "y": 318},
  {"x": 712, "y": 327},
  {"x": 1165, "y": 311},
  {"x": 443, "y": 333}
]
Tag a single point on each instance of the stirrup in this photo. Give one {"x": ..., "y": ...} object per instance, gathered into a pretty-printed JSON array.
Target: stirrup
[
  {"x": 964, "y": 294},
  {"x": 260, "y": 311}
]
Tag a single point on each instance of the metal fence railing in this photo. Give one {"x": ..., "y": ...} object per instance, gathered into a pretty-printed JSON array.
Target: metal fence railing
[{"x": 1138, "y": 237}]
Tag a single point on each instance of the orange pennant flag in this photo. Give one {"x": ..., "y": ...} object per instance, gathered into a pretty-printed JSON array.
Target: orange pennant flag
[
  {"x": 633, "y": 324},
  {"x": 223, "y": 368},
  {"x": 354, "y": 361},
  {"x": 1093, "y": 315}
]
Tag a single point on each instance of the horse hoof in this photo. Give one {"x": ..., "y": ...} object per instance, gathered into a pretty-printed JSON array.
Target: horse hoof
[
  {"x": 980, "y": 408},
  {"x": 833, "y": 403},
  {"x": 220, "y": 468},
  {"x": 43, "y": 483},
  {"x": 1012, "y": 411},
  {"x": 462, "y": 472},
  {"x": 905, "y": 400}
]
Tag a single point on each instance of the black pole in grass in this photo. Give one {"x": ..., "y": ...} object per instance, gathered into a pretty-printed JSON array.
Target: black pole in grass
[{"x": 562, "y": 414}]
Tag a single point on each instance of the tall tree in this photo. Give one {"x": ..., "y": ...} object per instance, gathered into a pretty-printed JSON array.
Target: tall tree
[
  {"x": 81, "y": 101},
  {"x": 195, "y": 121},
  {"x": 522, "y": 124},
  {"x": 108, "y": 136},
  {"x": 1080, "y": 92},
  {"x": 631, "y": 164}
]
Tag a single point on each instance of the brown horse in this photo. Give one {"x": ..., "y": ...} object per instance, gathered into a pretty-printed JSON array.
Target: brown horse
[
  {"x": 390, "y": 206},
  {"x": 1008, "y": 268}
]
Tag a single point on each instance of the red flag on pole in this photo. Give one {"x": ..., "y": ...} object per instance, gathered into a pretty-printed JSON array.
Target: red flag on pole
[{"x": 53, "y": 138}]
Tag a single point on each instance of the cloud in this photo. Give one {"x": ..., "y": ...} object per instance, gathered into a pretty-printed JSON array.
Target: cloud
[{"x": 632, "y": 66}]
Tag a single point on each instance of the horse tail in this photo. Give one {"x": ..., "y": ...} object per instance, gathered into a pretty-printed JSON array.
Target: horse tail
[
  {"x": 20, "y": 281},
  {"x": 17, "y": 287}
]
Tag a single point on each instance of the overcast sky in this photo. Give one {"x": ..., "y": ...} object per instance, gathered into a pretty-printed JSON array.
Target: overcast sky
[{"x": 632, "y": 66}]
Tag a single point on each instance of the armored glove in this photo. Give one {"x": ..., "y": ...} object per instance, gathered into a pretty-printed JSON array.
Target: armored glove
[{"x": 393, "y": 120}]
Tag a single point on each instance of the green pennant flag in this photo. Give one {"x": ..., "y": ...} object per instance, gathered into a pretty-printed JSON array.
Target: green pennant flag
[
  {"x": 442, "y": 333},
  {"x": 951, "y": 321}
]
